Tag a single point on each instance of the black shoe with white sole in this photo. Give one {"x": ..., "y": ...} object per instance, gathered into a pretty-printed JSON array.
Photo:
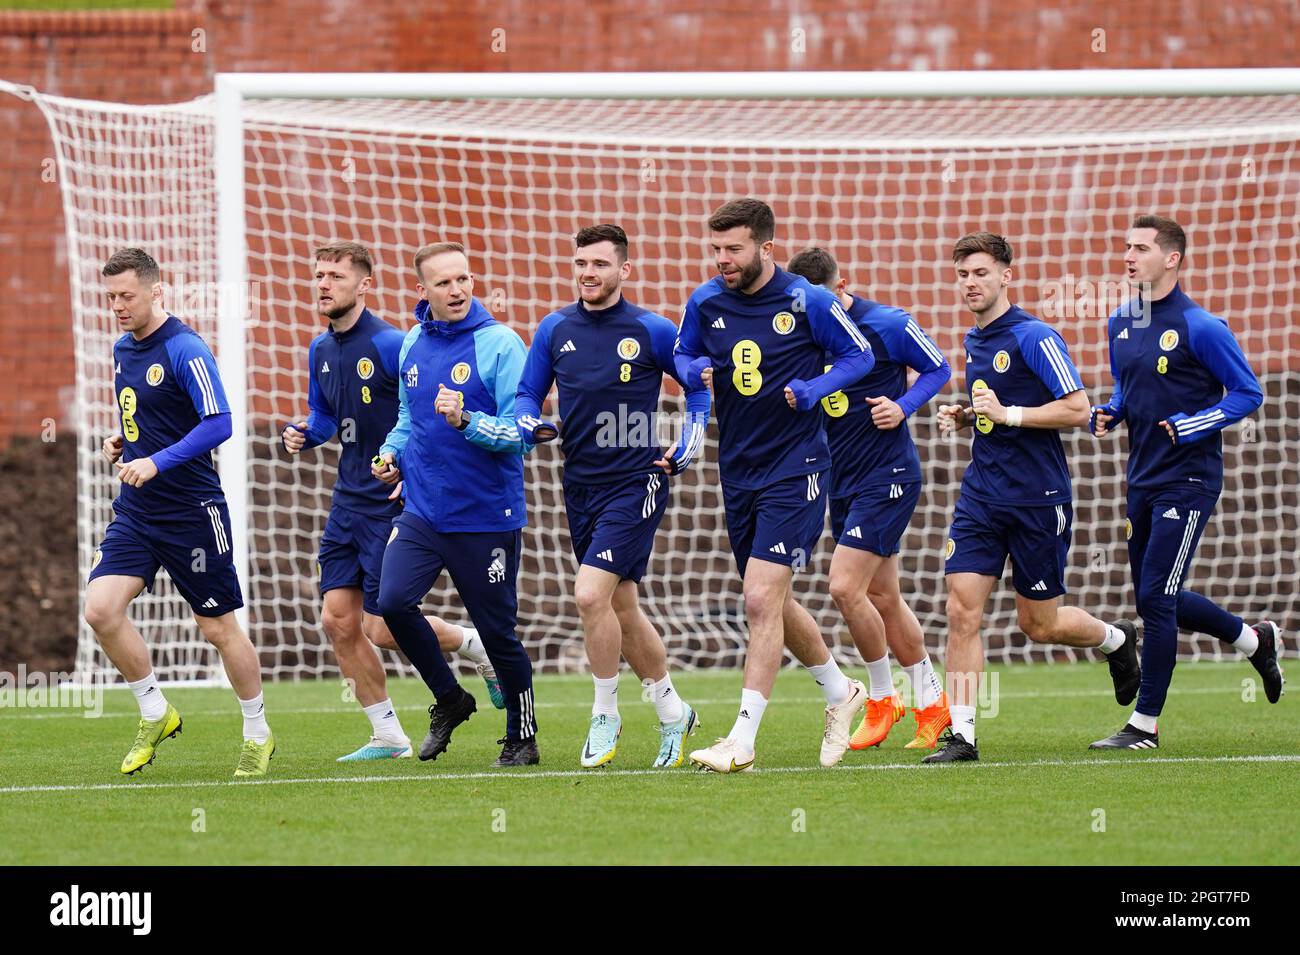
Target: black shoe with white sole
[
  {"x": 1264, "y": 659},
  {"x": 1130, "y": 737}
]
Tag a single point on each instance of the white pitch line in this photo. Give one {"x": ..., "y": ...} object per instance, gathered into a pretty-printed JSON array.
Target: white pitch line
[
  {"x": 612, "y": 773},
  {"x": 69, "y": 713}
]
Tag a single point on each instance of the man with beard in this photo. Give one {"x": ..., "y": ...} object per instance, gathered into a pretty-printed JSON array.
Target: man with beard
[
  {"x": 352, "y": 392},
  {"x": 761, "y": 338}
]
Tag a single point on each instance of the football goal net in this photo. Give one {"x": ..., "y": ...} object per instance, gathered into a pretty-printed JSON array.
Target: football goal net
[{"x": 232, "y": 192}]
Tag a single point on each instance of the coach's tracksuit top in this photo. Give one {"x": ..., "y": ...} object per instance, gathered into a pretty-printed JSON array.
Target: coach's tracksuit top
[
  {"x": 757, "y": 345},
  {"x": 609, "y": 365},
  {"x": 471, "y": 480},
  {"x": 352, "y": 388},
  {"x": 1023, "y": 361},
  {"x": 865, "y": 456},
  {"x": 168, "y": 396},
  {"x": 1173, "y": 365}
]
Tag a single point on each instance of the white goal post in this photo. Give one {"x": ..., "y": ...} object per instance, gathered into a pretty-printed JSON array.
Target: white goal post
[{"x": 885, "y": 169}]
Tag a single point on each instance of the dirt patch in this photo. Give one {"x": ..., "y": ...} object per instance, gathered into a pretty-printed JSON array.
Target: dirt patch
[{"x": 38, "y": 554}]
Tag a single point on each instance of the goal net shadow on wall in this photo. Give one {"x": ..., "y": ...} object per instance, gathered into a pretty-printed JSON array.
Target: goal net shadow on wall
[{"x": 886, "y": 184}]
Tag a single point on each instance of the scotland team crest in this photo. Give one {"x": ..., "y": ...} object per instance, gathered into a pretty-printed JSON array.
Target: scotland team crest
[
  {"x": 154, "y": 375},
  {"x": 460, "y": 373},
  {"x": 783, "y": 323},
  {"x": 628, "y": 349},
  {"x": 1001, "y": 361},
  {"x": 1169, "y": 340},
  {"x": 365, "y": 368}
]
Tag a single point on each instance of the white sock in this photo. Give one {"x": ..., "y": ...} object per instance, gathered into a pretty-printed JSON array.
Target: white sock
[
  {"x": 926, "y": 685},
  {"x": 383, "y": 720},
  {"x": 963, "y": 722},
  {"x": 1143, "y": 722},
  {"x": 255, "y": 727},
  {"x": 1113, "y": 640},
  {"x": 752, "y": 705},
  {"x": 1248, "y": 642},
  {"x": 882, "y": 684},
  {"x": 606, "y": 696},
  {"x": 472, "y": 646},
  {"x": 834, "y": 684},
  {"x": 153, "y": 705},
  {"x": 667, "y": 703}
]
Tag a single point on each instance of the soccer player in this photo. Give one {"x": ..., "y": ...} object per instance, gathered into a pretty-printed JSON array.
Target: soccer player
[
  {"x": 1016, "y": 495},
  {"x": 874, "y": 487},
  {"x": 759, "y": 337},
  {"x": 609, "y": 357},
  {"x": 352, "y": 391},
  {"x": 1171, "y": 362},
  {"x": 170, "y": 512},
  {"x": 461, "y": 459}
]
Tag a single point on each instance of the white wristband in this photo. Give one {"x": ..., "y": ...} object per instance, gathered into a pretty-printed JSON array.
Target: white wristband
[{"x": 1014, "y": 414}]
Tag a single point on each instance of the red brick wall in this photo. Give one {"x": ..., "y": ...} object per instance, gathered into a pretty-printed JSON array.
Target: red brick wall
[{"x": 143, "y": 57}]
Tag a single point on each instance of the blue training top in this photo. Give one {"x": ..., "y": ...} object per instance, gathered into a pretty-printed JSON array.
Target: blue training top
[{"x": 1173, "y": 365}]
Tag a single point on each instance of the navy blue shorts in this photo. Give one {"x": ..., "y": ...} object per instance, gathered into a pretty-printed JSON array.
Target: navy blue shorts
[
  {"x": 195, "y": 553},
  {"x": 876, "y": 518},
  {"x": 780, "y": 523},
  {"x": 352, "y": 553},
  {"x": 613, "y": 525},
  {"x": 1037, "y": 539}
]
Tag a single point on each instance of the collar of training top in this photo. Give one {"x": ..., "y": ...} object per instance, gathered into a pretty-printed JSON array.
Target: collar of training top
[{"x": 477, "y": 317}]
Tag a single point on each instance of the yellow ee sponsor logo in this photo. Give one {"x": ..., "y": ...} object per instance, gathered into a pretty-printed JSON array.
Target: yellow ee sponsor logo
[
  {"x": 127, "y": 402},
  {"x": 460, "y": 373},
  {"x": 1001, "y": 362},
  {"x": 836, "y": 405},
  {"x": 154, "y": 375},
  {"x": 629, "y": 348},
  {"x": 783, "y": 323},
  {"x": 747, "y": 356},
  {"x": 1169, "y": 340},
  {"x": 983, "y": 423},
  {"x": 365, "y": 368}
]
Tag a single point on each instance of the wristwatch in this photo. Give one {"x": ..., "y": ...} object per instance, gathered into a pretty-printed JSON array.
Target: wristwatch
[{"x": 464, "y": 422}]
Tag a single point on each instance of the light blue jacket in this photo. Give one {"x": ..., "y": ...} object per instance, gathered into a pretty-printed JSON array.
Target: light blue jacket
[{"x": 471, "y": 480}]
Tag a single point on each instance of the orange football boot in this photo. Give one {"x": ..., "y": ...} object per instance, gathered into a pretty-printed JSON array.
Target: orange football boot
[
  {"x": 879, "y": 719},
  {"x": 930, "y": 722}
]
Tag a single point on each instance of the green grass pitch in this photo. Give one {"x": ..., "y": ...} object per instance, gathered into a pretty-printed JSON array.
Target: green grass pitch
[{"x": 1221, "y": 790}]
